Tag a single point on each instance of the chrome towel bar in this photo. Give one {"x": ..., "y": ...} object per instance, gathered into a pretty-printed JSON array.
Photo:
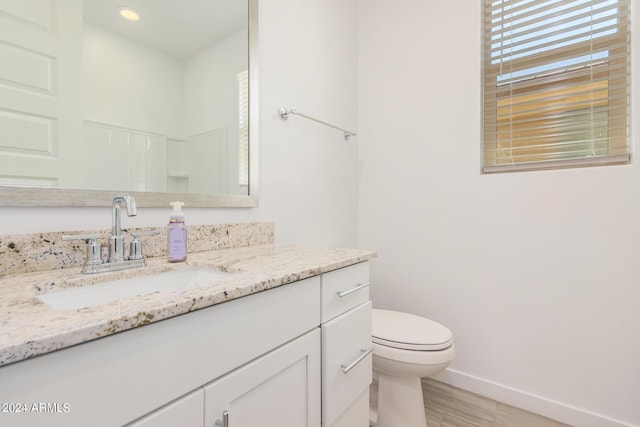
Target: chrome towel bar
[{"x": 284, "y": 115}]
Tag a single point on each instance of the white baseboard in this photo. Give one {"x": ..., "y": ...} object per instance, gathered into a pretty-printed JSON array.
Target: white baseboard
[{"x": 530, "y": 402}]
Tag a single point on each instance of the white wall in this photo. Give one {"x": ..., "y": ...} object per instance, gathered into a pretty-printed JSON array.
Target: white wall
[
  {"x": 536, "y": 273},
  {"x": 308, "y": 174},
  {"x": 211, "y": 86},
  {"x": 131, "y": 85}
]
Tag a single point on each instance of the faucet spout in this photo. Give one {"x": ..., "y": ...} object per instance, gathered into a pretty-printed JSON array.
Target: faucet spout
[
  {"x": 130, "y": 203},
  {"x": 116, "y": 243}
]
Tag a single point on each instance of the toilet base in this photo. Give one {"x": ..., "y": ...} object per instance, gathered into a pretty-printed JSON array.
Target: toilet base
[{"x": 397, "y": 402}]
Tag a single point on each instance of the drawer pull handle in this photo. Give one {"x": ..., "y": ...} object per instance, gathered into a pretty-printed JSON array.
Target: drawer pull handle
[
  {"x": 225, "y": 420},
  {"x": 352, "y": 290},
  {"x": 365, "y": 353}
]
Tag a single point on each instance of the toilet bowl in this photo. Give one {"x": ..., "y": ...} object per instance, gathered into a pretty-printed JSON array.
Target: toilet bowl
[{"x": 405, "y": 348}]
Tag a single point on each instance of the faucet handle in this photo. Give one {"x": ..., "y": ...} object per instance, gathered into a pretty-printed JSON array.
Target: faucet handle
[
  {"x": 94, "y": 248},
  {"x": 135, "y": 246},
  {"x": 87, "y": 237}
]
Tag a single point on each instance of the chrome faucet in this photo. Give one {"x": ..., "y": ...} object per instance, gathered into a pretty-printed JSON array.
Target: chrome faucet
[
  {"x": 116, "y": 242},
  {"x": 116, "y": 260}
]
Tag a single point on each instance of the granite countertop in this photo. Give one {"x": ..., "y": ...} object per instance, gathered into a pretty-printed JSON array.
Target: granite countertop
[{"x": 29, "y": 327}]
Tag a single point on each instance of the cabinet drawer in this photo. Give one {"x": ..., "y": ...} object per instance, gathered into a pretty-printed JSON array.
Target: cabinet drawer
[
  {"x": 344, "y": 289},
  {"x": 345, "y": 339}
]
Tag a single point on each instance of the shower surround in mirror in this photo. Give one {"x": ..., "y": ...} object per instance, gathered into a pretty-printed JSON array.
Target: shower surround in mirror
[{"x": 83, "y": 106}]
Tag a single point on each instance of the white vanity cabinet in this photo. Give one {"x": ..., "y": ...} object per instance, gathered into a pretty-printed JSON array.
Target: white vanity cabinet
[
  {"x": 273, "y": 358},
  {"x": 346, "y": 347},
  {"x": 124, "y": 377}
]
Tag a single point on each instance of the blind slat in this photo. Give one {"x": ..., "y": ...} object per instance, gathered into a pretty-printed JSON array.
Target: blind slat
[
  {"x": 500, "y": 9},
  {"x": 550, "y": 57},
  {"x": 514, "y": 37},
  {"x": 599, "y": 71},
  {"x": 559, "y": 164}
]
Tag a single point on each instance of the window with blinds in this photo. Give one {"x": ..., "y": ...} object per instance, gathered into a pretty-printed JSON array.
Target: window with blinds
[
  {"x": 243, "y": 125},
  {"x": 556, "y": 83}
]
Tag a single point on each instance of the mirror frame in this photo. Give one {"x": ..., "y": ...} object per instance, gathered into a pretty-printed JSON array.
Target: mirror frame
[{"x": 56, "y": 197}]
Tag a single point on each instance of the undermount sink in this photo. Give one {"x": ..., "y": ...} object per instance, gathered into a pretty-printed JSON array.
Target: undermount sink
[{"x": 106, "y": 292}]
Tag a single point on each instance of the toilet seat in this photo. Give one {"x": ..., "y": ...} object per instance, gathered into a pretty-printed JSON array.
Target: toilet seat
[{"x": 406, "y": 331}]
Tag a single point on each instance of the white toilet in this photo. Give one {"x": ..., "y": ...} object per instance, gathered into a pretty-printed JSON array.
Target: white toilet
[{"x": 405, "y": 348}]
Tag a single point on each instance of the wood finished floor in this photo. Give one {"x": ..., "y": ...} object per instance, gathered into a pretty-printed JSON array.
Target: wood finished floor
[{"x": 448, "y": 406}]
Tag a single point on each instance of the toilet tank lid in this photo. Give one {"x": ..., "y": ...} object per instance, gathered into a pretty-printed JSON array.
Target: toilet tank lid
[{"x": 404, "y": 330}]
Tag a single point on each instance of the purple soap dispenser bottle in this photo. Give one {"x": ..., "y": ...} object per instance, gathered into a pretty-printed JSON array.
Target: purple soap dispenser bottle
[{"x": 176, "y": 234}]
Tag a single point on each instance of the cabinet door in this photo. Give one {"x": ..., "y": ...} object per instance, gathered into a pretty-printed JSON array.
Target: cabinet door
[
  {"x": 188, "y": 411},
  {"x": 281, "y": 388}
]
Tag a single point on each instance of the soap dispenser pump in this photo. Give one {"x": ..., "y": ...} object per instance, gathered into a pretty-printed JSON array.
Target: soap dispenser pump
[{"x": 176, "y": 234}]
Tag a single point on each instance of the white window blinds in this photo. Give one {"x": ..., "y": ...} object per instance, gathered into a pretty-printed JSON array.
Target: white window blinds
[
  {"x": 556, "y": 83},
  {"x": 243, "y": 127}
]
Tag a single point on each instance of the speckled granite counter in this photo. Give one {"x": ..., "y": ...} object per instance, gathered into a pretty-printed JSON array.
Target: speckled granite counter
[
  {"x": 28, "y": 327},
  {"x": 26, "y": 253}
]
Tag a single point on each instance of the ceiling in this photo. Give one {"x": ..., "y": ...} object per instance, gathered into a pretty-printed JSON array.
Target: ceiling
[{"x": 180, "y": 28}]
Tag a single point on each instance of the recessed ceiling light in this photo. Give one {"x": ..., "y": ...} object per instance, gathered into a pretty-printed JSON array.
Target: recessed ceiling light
[{"x": 127, "y": 13}]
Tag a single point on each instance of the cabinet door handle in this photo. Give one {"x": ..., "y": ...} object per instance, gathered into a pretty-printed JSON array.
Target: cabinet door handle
[
  {"x": 365, "y": 353},
  {"x": 225, "y": 420},
  {"x": 352, "y": 290}
]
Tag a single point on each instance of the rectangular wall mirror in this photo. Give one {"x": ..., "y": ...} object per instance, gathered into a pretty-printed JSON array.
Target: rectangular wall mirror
[{"x": 163, "y": 107}]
